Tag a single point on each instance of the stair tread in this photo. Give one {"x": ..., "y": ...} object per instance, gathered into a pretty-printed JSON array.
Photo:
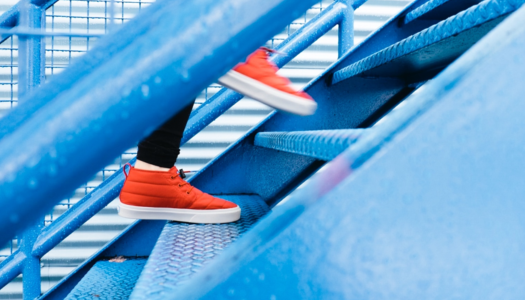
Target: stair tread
[
  {"x": 109, "y": 280},
  {"x": 439, "y": 9},
  {"x": 182, "y": 248},
  {"x": 425, "y": 50},
  {"x": 321, "y": 144}
]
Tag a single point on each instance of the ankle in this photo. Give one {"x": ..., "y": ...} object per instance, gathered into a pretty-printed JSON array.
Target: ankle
[{"x": 141, "y": 165}]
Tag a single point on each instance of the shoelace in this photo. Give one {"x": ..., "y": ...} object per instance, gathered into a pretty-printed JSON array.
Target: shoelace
[
  {"x": 273, "y": 51},
  {"x": 185, "y": 183},
  {"x": 182, "y": 176}
]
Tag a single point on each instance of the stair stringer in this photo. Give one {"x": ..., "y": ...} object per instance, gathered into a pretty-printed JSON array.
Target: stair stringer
[
  {"x": 436, "y": 213},
  {"x": 340, "y": 106}
]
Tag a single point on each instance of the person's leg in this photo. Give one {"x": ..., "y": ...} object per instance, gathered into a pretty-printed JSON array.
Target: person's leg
[
  {"x": 155, "y": 190},
  {"x": 159, "y": 151}
]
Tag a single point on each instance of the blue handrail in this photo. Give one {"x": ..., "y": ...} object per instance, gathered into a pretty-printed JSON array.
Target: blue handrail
[
  {"x": 84, "y": 113},
  {"x": 209, "y": 111}
]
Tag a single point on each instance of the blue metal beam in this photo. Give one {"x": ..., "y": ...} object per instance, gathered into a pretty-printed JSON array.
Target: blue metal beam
[
  {"x": 439, "y": 9},
  {"x": 86, "y": 114},
  {"x": 346, "y": 29},
  {"x": 438, "y": 202},
  {"x": 31, "y": 50},
  {"x": 8, "y": 19},
  {"x": 460, "y": 31},
  {"x": 320, "y": 144},
  {"x": 11, "y": 267}
]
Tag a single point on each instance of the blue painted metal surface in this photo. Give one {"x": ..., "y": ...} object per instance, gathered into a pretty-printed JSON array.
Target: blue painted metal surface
[
  {"x": 136, "y": 241},
  {"x": 439, "y": 9},
  {"x": 292, "y": 46},
  {"x": 183, "y": 249},
  {"x": 387, "y": 89},
  {"x": 109, "y": 280},
  {"x": 31, "y": 268},
  {"x": 31, "y": 73},
  {"x": 102, "y": 195},
  {"x": 320, "y": 144},
  {"x": 85, "y": 114},
  {"x": 8, "y": 19},
  {"x": 11, "y": 267},
  {"x": 40, "y": 33},
  {"x": 76, "y": 216},
  {"x": 358, "y": 100},
  {"x": 31, "y": 51},
  {"x": 438, "y": 214},
  {"x": 346, "y": 29},
  {"x": 468, "y": 22},
  {"x": 104, "y": 51}
]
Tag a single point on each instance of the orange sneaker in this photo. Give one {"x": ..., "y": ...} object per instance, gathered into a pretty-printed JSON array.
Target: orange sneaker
[
  {"x": 257, "y": 78},
  {"x": 156, "y": 195}
]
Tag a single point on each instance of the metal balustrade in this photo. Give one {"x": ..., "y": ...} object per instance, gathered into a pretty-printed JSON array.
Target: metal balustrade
[
  {"x": 51, "y": 35},
  {"x": 92, "y": 18}
]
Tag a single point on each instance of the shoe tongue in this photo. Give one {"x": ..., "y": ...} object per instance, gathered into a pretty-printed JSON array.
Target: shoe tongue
[{"x": 174, "y": 170}]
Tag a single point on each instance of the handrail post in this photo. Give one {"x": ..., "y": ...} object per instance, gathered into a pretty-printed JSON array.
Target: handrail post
[
  {"x": 31, "y": 73},
  {"x": 346, "y": 28},
  {"x": 31, "y": 269},
  {"x": 31, "y": 50}
]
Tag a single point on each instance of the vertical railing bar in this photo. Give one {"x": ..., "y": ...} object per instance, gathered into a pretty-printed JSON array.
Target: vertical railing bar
[
  {"x": 70, "y": 25},
  {"x": 346, "y": 29},
  {"x": 52, "y": 41},
  {"x": 112, "y": 15},
  {"x": 31, "y": 73},
  {"x": 106, "y": 16},
  {"x": 88, "y": 28},
  {"x": 12, "y": 70}
]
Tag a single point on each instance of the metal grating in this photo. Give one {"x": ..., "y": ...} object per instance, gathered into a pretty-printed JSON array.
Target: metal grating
[{"x": 183, "y": 248}]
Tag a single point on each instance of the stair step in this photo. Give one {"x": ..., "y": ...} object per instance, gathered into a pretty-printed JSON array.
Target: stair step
[
  {"x": 434, "y": 47},
  {"x": 182, "y": 248},
  {"x": 439, "y": 9},
  {"x": 109, "y": 280},
  {"x": 321, "y": 144}
]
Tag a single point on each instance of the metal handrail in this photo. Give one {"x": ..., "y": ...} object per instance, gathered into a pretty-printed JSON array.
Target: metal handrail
[{"x": 336, "y": 14}]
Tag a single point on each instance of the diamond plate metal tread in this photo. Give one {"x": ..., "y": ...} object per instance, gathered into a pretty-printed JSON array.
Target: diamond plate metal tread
[
  {"x": 109, "y": 280},
  {"x": 182, "y": 248},
  {"x": 321, "y": 144},
  {"x": 437, "y": 45},
  {"x": 439, "y": 9}
]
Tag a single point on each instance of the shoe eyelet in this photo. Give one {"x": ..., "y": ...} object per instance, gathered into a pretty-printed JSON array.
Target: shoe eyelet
[
  {"x": 188, "y": 193},
  {"x": 172, "y": 177},
  {"x": 180, "y": 185}
]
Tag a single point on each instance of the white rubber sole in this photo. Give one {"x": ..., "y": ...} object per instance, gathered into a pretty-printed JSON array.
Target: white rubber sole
[
  {"x": 180, "y": 215},
  {"x": 268, "y": 95}
]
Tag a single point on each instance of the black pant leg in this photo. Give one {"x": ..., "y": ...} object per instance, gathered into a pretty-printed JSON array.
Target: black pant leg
[{"x": 162, "y": 147}]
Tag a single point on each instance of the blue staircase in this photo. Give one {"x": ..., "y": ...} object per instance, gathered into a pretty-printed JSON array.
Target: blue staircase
[{"x": 417, "y": 136}]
